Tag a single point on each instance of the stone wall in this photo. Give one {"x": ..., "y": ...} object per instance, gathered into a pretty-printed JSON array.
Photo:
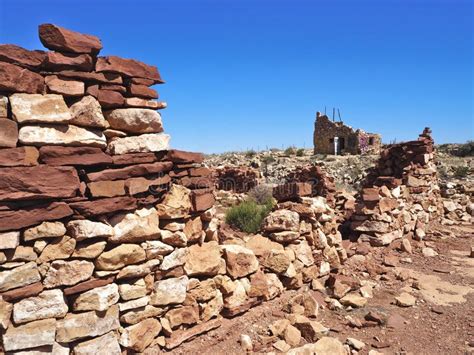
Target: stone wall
[
  {"x": 401, "y": 194},
  {"x": 350, "y": 141},
  {"x": 95, "y": 210},
  {"x": 237, "y": 179},
  {"x": 108, "y": 238},
  {"x": 321, "y": 183}
]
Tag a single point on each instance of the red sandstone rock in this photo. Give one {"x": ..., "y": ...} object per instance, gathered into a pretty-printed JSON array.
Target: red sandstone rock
[
  {"x": 17, "y": 79},
  {"x": 64, "y": 87},
  {"x": 130, "y": 171},
  {"x": 370, "y": 194},
  {"x": 143, "y": 91},
  {"x": 88, "y": 285},
  {"x": 64, "y": 40},
  {"x": 238, "y": 179},
  {"x": 128, "y": 67},
  {"x": 8, "y": 133},
  {"x": 20, "y": 56},
  {"x": 14, "y": 220},
  {"x": 21, "y": 156},
  {"x": 291, "y": 191},
  {"x": 114, "y": 87},
  {"x": 107, "y": 188},
  {"x": 58, "y": 61},
  {"x": 142, "y": 81},
  {"x": 180, "y": 156},
  {"x": 202, "y": 199},
  {"x": 106, "y": 78},
  {"x": 41, "y": 181},
  {"x": 135, "y": 158},
  {"x": 196, "y": 182},
  {"x": 22, "y": 292},
  {"x": 104, "y": 206},
  {"x": 201, "y": 171},
  {"x": 110, "y": 99},
  {"x": 134, "y": 186},
  {"x": 93, "y": 90},
  {"x": 53, "y": 155}
]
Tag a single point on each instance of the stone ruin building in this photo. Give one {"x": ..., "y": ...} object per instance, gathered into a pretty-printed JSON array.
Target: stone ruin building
[
  {"x": 335, "y": 137},
  {"x": 109, "y": 239}
]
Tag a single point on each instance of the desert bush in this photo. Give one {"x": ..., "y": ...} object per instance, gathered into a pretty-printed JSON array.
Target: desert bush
[
  {"x": 247, "y": 216},
  {"x": 461, "y": 171},
  {"x": 250, "y": 153},
  {"x": 465, "y": 150},
  {"x": 261, "y": 194},
  {"x": 300, "y": 152},
  {"x": 290, "y": 151}
]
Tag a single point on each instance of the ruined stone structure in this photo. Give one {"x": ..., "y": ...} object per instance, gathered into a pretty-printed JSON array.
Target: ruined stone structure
[
  {"x": 349, "y": 141},
  {"x": 237, "y": 179},
  {"x": 401, "y": 194},
  {"x": 320, "y": 183},
  {"x": 109, "y": 240}
]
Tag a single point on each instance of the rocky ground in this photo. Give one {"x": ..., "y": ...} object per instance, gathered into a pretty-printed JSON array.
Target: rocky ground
[
  {"x": 417, "y": 304},
  {"x": 348, "y": 170},
  {"x": 415, "y": 297}
]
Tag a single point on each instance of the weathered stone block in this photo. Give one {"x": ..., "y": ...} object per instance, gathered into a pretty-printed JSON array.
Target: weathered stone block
[
  {"x": 64, "y": 135},
  {"x": 67, "y": 273},
  {"x": 17, "y": 219},
  {"x": 34, "y": 108},
  {"x": 30, "y": 335},
  {"x": 151, "y": 142},
  {"x": 8, "y": 133},
  {"x": 17, "y": 79},
  {"x": 64, "y": 40},
  {"x": 20, "y": 276},
  {"x": 89, "y": 324},
  {"x": 97, "y": 299},
  {"x": 26, "y": 183},
  {"x": 48, "y": 304},
  {"x": 135, "y": 120},
  {"x": 21, "y": 156}
]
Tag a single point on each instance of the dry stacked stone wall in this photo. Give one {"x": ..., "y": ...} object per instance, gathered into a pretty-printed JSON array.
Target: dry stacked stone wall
[
  {"x": 401, "y": 195},
  {"x": 237, "y": 179},
  {"x": 306, "y": 181},
  {"x": 96, "y": 211},
  {"x": 109, "y": 240}
]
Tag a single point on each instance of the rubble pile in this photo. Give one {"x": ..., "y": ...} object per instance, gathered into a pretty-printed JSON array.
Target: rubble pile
[
  {"x": 239, "y": 179},
  {"x": 401, "y": 195},
  {"x": 99, "y": 220},
  {"x": 458, "y": 202}
]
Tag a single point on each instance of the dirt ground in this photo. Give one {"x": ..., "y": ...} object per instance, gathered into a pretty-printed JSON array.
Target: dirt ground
[{"x": 441, "y": 321}]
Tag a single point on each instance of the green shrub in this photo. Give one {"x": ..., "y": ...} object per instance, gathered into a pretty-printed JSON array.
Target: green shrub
[
  {"x": 290, "y": 151},
  {"x": 250, "y": 153},
  {"x": 300, "y": 152},
  {"x": 461, "y": 171},
  {"x": 465, "y": 150},
  {"x": 247, "y": 216}
]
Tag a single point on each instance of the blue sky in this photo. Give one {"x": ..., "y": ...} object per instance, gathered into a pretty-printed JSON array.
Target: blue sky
[{"x": 252, "y": 73}]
